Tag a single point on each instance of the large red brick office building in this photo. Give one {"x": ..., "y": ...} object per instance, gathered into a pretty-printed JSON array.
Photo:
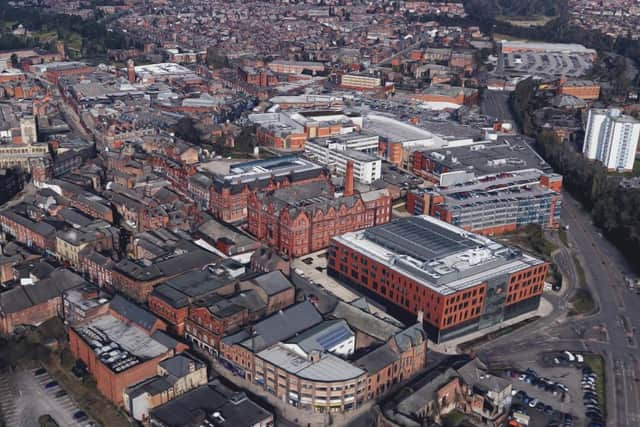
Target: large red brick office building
[{"x": 462, "y": 282}]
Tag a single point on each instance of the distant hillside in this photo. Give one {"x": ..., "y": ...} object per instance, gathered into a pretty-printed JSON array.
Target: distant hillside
[{"x": 489, "y": 9}]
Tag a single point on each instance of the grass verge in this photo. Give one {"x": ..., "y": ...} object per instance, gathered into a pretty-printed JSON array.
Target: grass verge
[
  {"x": 582, "y": 301},
  {"x": 453, "y": 418},
  {"x": 596, "y": 363},
  {"x": 562, "y": 234}
]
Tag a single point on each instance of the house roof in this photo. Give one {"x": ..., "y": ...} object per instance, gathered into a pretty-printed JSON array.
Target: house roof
[
  {"x": 282, "y": 325},
  {"x": 133, "y": 312},
  {"x": 178, "y": 365},
  {"x": 273, "y": 282},
  {"x": 377, "y": 359},
  {"x": 191, "y": 408},
  {"x": 365, "y": 322}
]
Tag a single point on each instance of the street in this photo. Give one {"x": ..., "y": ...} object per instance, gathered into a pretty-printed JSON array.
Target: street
[{"x": 609, "y": 332}]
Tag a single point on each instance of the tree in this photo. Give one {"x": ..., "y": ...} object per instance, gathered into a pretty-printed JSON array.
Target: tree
[
  {"x": 186, "y": 129},
  {"x": 216, "y": 59}
]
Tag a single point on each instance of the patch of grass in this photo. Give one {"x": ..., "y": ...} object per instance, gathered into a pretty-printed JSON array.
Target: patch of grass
[
  {"x": 47, "y": 421},
  {"x": 526, "y": 21},
  {"x": 498, "y": 37},
  {"x": 582, "y": 279},
  {"x": 46, "y": 36},
  {"x": 582, "y": 303},
  {"x": 74, "y": 42},
  {"x": 596, "y": 363},
  {"x": 562, "y": 234},
  {"x": 453, "y": 418},
  {"x": 530, "y": 238}
]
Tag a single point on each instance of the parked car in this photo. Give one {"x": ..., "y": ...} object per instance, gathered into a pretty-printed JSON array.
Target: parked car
[
  {"x": 60, "y": 393},
  {"x": 40, "y": 371},
  {"x": 51, "y": 384},
  {"x": 80, "y": 416}
]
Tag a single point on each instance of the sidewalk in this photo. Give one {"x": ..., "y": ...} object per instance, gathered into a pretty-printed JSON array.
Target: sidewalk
[{"x": 451, "y": 347}]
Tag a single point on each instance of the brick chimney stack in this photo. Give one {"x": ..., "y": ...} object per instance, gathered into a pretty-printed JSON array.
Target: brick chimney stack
[
  {"x": 348, "y": 179},
  {"x": 131, "y": 71}
]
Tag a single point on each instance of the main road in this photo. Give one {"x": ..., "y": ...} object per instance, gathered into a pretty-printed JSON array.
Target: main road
[{"x": 610, "y": 332}]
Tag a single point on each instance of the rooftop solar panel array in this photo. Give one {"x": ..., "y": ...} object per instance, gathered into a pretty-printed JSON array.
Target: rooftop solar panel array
[
  {"x": 419, "y": 239},
  {"x": 330, "y": 339}
]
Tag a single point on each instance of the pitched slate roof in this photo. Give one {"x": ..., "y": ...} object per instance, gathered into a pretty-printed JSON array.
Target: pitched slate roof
[
  {"x": 377, "y": 359},
  {"x": 282, "y": 325},
  {"x": 133, "y": 312},
  {"x": 273, "y": 282},
  {"x": 365, "y": 322}
]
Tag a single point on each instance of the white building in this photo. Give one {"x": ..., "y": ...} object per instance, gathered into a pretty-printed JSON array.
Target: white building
[
  {"x": 335, "y": 155},
  {"x": 332, "y": 336},
  {"x": 611, "y": 138}
]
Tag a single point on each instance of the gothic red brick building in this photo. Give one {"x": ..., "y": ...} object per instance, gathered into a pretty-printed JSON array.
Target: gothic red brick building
[
  {"x": 303, "y": 219},
  {"x": 230, "y": 192}
]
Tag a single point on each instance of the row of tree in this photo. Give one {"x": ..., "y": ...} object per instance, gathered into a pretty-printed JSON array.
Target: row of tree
[{"x": 614, "y": 209}]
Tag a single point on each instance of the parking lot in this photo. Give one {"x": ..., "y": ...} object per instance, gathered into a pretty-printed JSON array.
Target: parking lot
[
  {"x": 550, "y": 393},
  {"x": 25, "y": 396},
  {"x": 550, "y": 63}
]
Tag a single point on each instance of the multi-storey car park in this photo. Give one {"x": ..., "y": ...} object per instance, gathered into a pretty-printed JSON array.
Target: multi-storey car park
[{"x": 461, "y": 282}]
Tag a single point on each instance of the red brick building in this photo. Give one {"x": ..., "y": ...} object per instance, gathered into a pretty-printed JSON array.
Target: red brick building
[
  {"x": 303, "y": 219},
  {"x": 211, "y": 318},
  {"x": 583, "y": 89},
  {"x": 37, "y": 234},
  {"x": 171, "y": 300},
  {"x": 137, "y": 280},
  {"x": 258, "y": 76},
  {"x": 230, "y": 192},
  {"x": 460, "y": 281},
  {"x": 122, "y": 347},
  {"x": 272, "y": 357},
  {"x": 34, "y": 304}
]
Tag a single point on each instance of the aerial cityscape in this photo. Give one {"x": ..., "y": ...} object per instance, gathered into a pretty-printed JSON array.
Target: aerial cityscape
[{"x": 313, "y": 213}]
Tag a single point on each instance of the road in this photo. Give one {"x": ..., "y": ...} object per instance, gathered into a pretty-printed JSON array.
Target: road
[
  {"x": 609, "y": 332},
  {"x": 495, "y": 103}
]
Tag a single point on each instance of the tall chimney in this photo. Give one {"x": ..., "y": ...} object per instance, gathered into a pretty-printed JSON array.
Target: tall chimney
[
  {"x": 131, "y": 71},
  {"x": 420, "y": 316},
  {"x": 348, "y": 179}
]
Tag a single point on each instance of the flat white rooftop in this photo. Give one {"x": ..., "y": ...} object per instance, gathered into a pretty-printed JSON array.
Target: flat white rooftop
[{"x": 438, "y": 255}]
